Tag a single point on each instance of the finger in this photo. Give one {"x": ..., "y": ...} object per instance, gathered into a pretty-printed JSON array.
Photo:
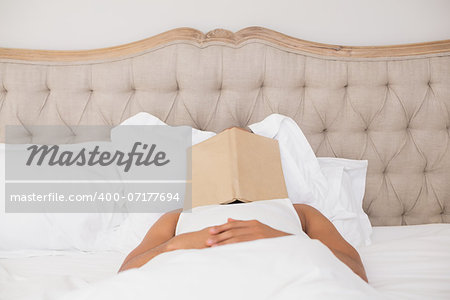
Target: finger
[
  {"x": 220, "y": 228},
  {"x": 219, "y": 237},
  {"x": 232, "y": 233},
  {"x": 229, "y": 241},
  {"x": 225, "y": 235},
  {"x": 253, "y": 222},
  {"x": 224, "y": 227},
  {"x": 238, "y": 239},
  {"x": 232, "y": 223}
]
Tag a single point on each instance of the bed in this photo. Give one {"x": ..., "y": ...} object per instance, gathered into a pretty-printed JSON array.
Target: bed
[
  {"x": 389, "y": 105},
  {"x": 422, "y": 274}
]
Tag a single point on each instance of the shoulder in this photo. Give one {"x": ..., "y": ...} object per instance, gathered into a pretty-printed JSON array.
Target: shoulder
[
  {"x": 301, "y": 210},
  {"x": 166, "y": 224},
  {"x": 305, "y": 208},
  {"x": 308, "y": 215},
  {"x": 170, "y": 217}
]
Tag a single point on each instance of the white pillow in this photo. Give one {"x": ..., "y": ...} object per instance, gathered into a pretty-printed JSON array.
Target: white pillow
[
  {"x": 305, "y": 182},
  {"x": 130, "y": 233},
  {"x": 50, "y": 231},
  {"x": 278, "y": 214},
  {"x": 346, "y": 179},
  {"x": 336, "y": 191}
]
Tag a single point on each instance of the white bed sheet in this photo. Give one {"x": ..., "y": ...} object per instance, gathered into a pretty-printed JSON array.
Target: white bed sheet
[
  {"x": 408, "y": 262},
  {"x": 46, "y": 276}
]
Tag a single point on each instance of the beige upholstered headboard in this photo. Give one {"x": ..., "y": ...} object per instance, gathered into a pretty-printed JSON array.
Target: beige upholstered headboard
[{"x": 390, "y": 105}]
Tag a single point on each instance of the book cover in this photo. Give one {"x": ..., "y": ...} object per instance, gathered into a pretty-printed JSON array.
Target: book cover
[{"x": 236, "y": 165}]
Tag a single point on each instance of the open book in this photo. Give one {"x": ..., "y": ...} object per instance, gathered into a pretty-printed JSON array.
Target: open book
[{"x": 236, "y": 165}]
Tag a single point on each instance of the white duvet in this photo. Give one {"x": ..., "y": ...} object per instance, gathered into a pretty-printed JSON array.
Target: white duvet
[
  {"x": 403, "y": 262},
  {"x": 291, "y": 267}
]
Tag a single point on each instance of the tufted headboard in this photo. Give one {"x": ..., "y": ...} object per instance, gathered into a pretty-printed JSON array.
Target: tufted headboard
[{"x": 390, "y": 105}]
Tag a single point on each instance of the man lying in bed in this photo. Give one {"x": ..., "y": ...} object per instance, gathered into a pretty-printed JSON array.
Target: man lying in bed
[{"x": 161, "y": 238}]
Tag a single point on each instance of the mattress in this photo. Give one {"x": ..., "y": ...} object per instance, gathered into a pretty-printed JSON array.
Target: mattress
[{"x": 407, "y": 262}]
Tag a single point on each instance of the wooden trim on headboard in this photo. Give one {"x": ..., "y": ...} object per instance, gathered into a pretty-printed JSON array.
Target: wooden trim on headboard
[{"x": 225, "y": 36}]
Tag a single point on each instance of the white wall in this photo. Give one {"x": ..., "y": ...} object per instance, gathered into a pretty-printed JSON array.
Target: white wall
[{"x": 85, "y": 24}]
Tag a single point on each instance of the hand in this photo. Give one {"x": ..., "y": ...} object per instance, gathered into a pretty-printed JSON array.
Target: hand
[
  {"x": 189, "y": 240},
  {"x": 235, "y": 231}
]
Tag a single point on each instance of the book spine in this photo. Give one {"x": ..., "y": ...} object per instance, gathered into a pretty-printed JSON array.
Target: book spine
[{"x": 234, "y": 165}]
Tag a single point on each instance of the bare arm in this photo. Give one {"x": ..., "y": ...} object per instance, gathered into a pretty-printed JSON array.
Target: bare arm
[
  {"x": 155, "y": 242},
  {"x": 316, "y": 226},
  {"x": 161, "y": 238}
]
